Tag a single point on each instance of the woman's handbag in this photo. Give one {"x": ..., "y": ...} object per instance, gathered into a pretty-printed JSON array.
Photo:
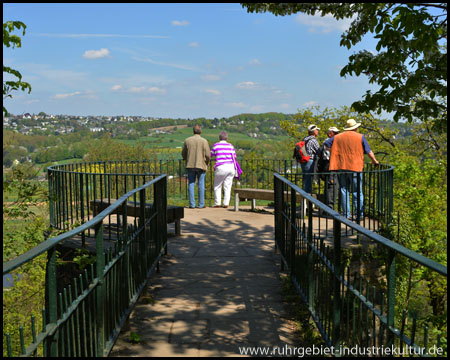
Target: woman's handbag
[{"x": 238, "y": 170}]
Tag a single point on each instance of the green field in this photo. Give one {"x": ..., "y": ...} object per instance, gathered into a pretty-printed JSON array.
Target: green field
[{"x": 176, "y": 139}]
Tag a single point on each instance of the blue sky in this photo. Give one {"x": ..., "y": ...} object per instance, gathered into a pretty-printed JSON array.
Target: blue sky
[{"x": 177, "y": 60}]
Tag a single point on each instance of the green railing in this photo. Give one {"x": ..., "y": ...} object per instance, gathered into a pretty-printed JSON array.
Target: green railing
[
  {"x": 72, "y": 326},
  {"x": 85, "y": 318},
  {"x": 349, "y": 310},
  {"x": 73, "y": 187}
]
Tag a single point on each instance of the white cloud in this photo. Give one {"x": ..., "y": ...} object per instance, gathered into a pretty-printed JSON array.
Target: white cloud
[
  {"x": 254, "y": 62},
  {"x": 180, "y": 23},
  {"x": 310, "y": 103},
  {"x": 323, "y": 24},
  {"x": 194, "y": 44},
  {"x": 116, "y": 87},
  {"x": 247, "y": 85},
  {"x": 156, "y": 90},
  {"x": 65, "y": 96},
  {"x": 210, "y": 77},
  {"x": 136, "y": 89},
  {"x": 96, "y": 54},
  {"x": 177, "y": 66},
  {"x": 213, "y": 91}
]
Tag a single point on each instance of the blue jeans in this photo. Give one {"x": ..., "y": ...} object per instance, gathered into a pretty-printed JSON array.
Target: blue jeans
[
  {"x": 194, "y": 174},
  {"x": 307, "y": 168},
  {"x": 348, "y": 183}
]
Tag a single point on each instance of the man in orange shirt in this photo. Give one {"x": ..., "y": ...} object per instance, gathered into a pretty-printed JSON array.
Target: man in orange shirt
[{"x": 347, "y": 157}]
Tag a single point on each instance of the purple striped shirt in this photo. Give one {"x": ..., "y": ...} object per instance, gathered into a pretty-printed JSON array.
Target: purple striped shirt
[{"x": 223, "y": 152}]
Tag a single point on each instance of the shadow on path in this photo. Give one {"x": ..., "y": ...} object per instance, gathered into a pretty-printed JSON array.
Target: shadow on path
[{"x": 219, "y": 289}]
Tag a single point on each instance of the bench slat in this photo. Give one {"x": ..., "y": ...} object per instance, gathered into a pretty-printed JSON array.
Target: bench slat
[
  {"x": 174, "y": 213},
  {"x": 256, "y": 194}
]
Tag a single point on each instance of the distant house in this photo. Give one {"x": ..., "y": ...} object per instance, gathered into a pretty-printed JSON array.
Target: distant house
[{"x": 96, "y": 129}]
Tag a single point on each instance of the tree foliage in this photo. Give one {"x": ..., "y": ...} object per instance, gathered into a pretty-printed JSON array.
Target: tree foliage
[
  {"x": 411, "y": 63},
  {"x": 420, "y": 201},
  {"x": 14, "y": 41},
  {"x": 24, "y": 227}
]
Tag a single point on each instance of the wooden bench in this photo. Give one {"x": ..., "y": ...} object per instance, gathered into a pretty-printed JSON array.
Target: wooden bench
[
  {"x": 255, "y": 194},
  {"x": 174, "y": 213}
]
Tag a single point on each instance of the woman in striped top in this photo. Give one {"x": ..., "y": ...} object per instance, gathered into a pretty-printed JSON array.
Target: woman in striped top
[{"x": 224, "y": 154}]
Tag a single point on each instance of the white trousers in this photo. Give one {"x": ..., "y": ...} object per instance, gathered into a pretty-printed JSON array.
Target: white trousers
[{"x": 223, "y": 175}]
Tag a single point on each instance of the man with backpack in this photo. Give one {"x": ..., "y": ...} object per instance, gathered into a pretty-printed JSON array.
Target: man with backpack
[
  {"x": 322, "y": 166},
  {"x": 305, "y": 153}
]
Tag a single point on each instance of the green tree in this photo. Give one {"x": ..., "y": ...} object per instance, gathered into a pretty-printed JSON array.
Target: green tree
[
  {"x": 24, "y": 226},
  {"x": 411, "y": 64},
  {"x": 14, "y": 41}
]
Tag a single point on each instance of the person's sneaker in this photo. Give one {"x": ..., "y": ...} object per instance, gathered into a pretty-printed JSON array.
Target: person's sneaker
[
  {"x": 216, "y": 206},
  {"x": 225, "y": 206}
]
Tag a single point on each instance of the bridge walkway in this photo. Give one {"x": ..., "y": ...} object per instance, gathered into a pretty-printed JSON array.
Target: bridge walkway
[{"x": 218, "y": 288}]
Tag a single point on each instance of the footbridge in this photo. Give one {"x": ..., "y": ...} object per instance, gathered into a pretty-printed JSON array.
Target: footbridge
[{"x": 213, "y": 287}]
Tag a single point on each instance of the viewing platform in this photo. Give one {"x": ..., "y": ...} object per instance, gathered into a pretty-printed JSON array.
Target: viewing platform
[
  {"x": 218, "y": 288},
  {"x": 165, "y": 280}
]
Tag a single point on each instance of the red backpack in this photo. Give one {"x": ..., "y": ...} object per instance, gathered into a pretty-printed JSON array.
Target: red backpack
[{"x": 300, "y": 152}]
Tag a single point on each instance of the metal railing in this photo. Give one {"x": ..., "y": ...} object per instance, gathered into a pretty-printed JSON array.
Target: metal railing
[
  {"x": 74, "y": 187},
  {"x": 72, "y": 326},
  {"x": 348, "y": 309},
  {"x": 86, "y": 318}
]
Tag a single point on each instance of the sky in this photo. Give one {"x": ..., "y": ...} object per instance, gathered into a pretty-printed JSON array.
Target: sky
[{"x": 177, "y": 60}]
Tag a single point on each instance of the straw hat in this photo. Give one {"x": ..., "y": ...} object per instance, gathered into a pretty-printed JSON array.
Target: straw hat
[{"x": 351, "y": 124}]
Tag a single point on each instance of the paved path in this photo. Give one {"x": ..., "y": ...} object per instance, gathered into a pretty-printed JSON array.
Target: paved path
[{"x": 218, "y": 288}]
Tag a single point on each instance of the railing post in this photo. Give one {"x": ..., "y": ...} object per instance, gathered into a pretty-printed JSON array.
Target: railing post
[
  {"x": 52, "y": 301},
  {"x": 293, "y": 231},
  {"x": 160, "y": 202},
  {"x": 390, "y": 297},
  {"x": 143, "y": 235},
  {"x": 310, "y": 258},
  {"x": 50, "y": 177},
  {"x": 336, "y": 336},
  {"x": 125, "y": 274},
  {"x": 279, "y": 237},
  {"x": 100, "y": 267}
]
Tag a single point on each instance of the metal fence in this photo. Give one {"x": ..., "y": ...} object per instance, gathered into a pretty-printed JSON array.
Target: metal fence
[
  {"x": 86, "y": 317},
  {"x": 73, "y": 323},
  {"x": 74, "y": 187},
  {"x": 350, "y": 310}
]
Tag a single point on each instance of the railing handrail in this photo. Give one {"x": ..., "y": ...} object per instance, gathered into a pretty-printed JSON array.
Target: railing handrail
[
  {"x": 429, "y": 263},
  {"x": 59, "y": 167},
  {"x": 51, "y": 242}
]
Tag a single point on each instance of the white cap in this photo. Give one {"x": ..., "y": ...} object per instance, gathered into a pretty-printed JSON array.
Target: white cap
[{"x": 313, "y": 127}]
